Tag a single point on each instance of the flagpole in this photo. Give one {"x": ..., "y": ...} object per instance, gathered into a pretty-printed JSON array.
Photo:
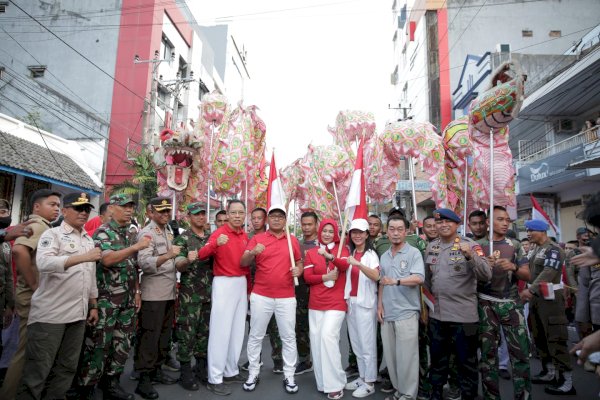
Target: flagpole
[
  {"x": 209, "y": 159},
  {"x": 465, "y": 196},
  {"x": 337, "y": 202},
  {"x": 411, "y": 170},
  {"x": 491, "y": 213},
  {"x": 246, "y": 198}
]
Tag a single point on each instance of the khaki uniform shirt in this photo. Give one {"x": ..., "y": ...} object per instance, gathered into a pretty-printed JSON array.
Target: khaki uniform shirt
[
  {"x": 23, "y": 292},
  {"x": 158, "y": 283},
  {"x": 63, "y": 294},
  {"x": 545, "y": 264},
  {"x": 453, "y": 280}
]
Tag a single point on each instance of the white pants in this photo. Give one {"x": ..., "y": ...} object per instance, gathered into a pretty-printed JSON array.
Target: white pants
[
  {"x": 227, "y": 322},
  {"x": 362, "y": 328},
  {"x": 261, "y": 310},
  {"x": 400, "y": 341},
  {"x": 325, "y": 329}
]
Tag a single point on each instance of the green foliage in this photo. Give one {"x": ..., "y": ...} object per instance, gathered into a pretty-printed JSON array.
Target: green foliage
[{"x": 143, "y": 185}]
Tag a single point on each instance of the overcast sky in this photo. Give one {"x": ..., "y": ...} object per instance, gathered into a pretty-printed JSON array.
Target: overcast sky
[{"x": 308, "y": 60}]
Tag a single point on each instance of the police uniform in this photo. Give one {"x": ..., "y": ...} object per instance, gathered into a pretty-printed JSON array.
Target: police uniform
[
  {"x": 452, "y": 280},
  {"x": 158, "y": 285},
  {"x": 107, "y": 344},
  {"x": 548, "y": 319},
  {"x": 59, "y": 309},
  {"x": 501, "y": 309},
  {"x": 193, "y": 313}
]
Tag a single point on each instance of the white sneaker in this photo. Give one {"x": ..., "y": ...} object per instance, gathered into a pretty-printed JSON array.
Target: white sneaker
[
  {"x": 289, "y": 385},
  {"x": 355, "y": 384},
  {"x": 364, "y": 390},
  {"x": 250, "y": 383}
]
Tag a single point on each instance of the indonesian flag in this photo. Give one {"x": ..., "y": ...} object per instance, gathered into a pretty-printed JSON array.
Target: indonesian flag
[
  {"x": 356, "y": 202},
  {"x": 275, "y": 193},
  {"x": 537, "y": 212}
]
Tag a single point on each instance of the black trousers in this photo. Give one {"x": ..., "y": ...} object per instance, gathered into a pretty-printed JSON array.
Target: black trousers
[
  {"x": 462, "y": 339},
  {"x": 153, "y": 334}
]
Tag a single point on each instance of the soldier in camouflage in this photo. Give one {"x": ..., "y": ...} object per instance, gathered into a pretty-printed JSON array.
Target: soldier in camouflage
[
  {"x": 547, "y": 310},
  {"x": 106, "y": 346},
  {"x": 193, "y": 314},
  {"x": 501, "y": 309}
]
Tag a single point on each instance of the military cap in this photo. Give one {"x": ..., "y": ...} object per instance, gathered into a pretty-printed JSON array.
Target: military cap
[
  {"x": 396, "y": 211},
  {"x": 120, "y": 199},
  {"x": 536, "y": 225},
  {"x": 582, "y": 231},
  {"x": 161, "y": 203},
  {"x": 446, "y": 213},
  {"x": 196, "y": 208},
  {"x": 76, "y": 199}
]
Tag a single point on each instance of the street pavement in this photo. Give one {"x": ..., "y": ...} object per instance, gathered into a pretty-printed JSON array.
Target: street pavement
[{"x": 271, "y": 386}]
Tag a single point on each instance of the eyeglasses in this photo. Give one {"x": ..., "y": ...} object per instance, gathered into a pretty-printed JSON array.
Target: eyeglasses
[{"x": 82, "y": 208}]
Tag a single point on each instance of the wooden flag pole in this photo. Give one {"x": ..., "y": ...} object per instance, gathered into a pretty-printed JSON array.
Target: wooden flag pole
[
  {"x": 491, "y": 213},
  {"x": 337, "y": 201}
]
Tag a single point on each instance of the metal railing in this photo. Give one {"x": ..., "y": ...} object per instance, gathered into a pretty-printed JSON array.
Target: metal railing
[{"x": 588, "y": 136}]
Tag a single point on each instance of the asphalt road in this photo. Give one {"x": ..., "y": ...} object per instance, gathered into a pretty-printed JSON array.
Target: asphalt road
[{"x": 271, "y": 387}]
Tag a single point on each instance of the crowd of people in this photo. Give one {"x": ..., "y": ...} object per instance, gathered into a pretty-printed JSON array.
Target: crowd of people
[{"x": 422, "y": 312}]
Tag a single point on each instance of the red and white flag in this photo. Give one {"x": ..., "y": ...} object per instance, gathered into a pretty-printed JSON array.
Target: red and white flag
[
  {"x": 275, "y": 193},
  {"x": 356, "y": 202},
  {"x": 537, "y": 212}
]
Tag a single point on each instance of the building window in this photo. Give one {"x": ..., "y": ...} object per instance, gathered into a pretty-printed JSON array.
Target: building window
[
  {"x": 168, "y": 48},
  {"x": 7, "y": 186},
  {"x": 2, "y": 73},
  {"x": 37, "y": 71},
  {"x": 182, "y": 69},
  {"x": 163, "y": 97},
  {"x": 555, "y": 34},
  {"x": 203, "y": 90},
  {"x": 527, "y": 33},
  {"x": 3, "y": 5}
]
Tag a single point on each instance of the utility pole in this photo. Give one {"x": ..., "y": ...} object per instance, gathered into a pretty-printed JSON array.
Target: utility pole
[
  {"x": 150, "y": 107},
  {"x": 176, "y": 86}
]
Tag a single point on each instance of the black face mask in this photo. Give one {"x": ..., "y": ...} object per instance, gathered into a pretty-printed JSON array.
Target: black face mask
[{"x": 5, "y": 222}]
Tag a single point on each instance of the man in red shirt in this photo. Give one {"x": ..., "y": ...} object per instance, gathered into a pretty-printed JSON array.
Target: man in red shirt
[
  {"x": 229, "y": 300},
  {"x": 273, "y": 293}
]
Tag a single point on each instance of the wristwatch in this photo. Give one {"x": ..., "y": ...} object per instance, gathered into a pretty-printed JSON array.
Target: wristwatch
[
  {"x": 398, "y": 282},
  {"x": 138, "y": 291}
]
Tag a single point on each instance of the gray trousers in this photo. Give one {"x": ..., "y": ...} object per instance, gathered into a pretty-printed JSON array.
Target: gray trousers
[{"x": 51, "y": 357}]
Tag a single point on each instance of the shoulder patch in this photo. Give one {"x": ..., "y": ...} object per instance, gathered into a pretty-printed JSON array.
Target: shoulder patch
[{"x": 45, "y": 242}]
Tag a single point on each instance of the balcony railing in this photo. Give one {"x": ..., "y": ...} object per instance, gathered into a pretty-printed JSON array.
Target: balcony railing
[{"x": 586, "y": 137}]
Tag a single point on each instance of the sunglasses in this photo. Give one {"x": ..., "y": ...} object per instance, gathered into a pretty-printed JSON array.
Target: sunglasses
[{"x": 83, "y": 208}]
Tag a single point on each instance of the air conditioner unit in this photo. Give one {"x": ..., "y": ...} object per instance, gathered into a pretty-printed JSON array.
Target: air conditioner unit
[
  {"x": 502, "y": 48},
  {"x": 563, "y": 125}
]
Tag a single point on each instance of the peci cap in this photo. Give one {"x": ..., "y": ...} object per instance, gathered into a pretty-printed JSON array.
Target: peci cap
[
  {"x": 161, "y": 203},
  {"x": 277, "y": 207},
  {"x": 76, "y": 199},
  {"x": 359, "y": 224},
  {"x": 120, "y": 199},
  {"x": 196, "y": 208},
  {"x": 536, "y": 225},
  {"x": 446, "y": 213},
  {"x": 397, "y": 211}
]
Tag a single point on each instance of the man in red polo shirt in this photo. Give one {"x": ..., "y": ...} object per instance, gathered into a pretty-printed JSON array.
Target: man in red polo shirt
[
  {"x": 229, "y": 300},
  {"x": 273, "y": 293}
]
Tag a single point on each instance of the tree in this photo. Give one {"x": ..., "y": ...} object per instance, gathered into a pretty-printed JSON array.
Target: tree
[{"x": 143, "y": 185}]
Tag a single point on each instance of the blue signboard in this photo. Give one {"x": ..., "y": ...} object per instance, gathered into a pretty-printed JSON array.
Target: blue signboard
[{"x": 550, "y": 171}]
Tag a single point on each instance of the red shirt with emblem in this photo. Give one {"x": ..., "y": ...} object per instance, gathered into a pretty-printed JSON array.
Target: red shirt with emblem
[
  {"x": 226, "y": 258},
  {"x": 325, "y": 298},
  {"x": 273, "y": 276}
]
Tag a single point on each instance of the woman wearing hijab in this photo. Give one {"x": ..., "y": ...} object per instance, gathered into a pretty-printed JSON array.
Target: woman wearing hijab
[
  {"x": 361, "y": 295},
  {"x": 326, "y": 309}
]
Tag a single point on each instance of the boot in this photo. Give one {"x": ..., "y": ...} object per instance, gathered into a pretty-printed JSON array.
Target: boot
[
  {"x": 564, "y": 385},
  {"x": 546, "y": 375},
  {"x": 187, "y": 380},
  {"x": 113, "y": 390},
  {"x": 80, "y": 393},
  {"x": 437, "y": 393},
  {"x": 200, "y": 370},
  {"x": 145, "y": 388}
]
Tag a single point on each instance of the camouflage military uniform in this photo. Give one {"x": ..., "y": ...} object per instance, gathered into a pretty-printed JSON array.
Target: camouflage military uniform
[
  {"x": 548, "y": 319},
  {"x": 193, "y": 314},
  {"x": 7, "y": 299},
  {"x": 500, "y": 308},
  {"x": 106, "y": 346}
]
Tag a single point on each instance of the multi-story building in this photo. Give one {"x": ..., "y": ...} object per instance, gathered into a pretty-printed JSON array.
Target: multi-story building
[{"x": 115, "y": 72}]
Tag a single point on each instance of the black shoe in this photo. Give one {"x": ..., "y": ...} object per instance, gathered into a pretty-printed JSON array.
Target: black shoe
[
  {"x": 145, "y": 388},
  {"x": 160, "y": 377},
  {"x": 112, "y": 389},
  {"x": 220, "y": 389},
  {"x": 304, "y": 367},
  {"x": 200, "y": 370},
  {"x": 386, "y": 386},
  {"x": 560, "y": 391},
  {"x": 80, "y": 393},
  {"x": 351, "y": 371},
  {"x": 187, "y": 380},
  {"x": 504, "y": 374},
  {"x": 278, "y": 366},
  {"x": 544, "y": 377},
  {"x": 239, "y": 378}
]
